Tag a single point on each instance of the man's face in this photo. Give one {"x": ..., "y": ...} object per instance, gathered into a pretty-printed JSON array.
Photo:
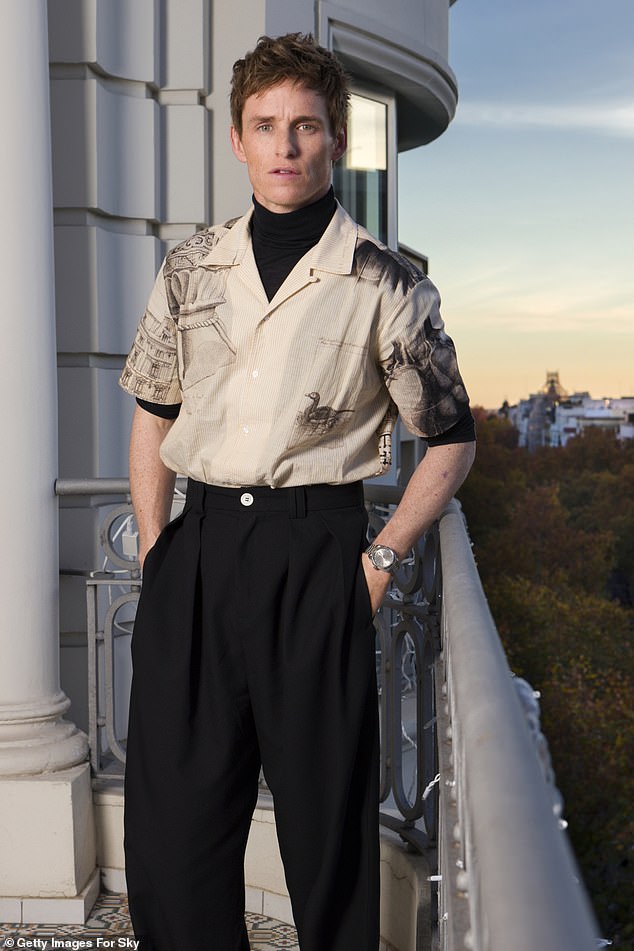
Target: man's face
[{"x": 288, "y": 146}]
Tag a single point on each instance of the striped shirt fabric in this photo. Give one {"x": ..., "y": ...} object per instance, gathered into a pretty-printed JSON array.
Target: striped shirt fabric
[{"x": 304, "y": 388}]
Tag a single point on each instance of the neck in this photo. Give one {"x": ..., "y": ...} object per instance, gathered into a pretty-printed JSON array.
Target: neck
[
  {"x": 280, "y": 240},
  {"x": 305, "y": 225}
]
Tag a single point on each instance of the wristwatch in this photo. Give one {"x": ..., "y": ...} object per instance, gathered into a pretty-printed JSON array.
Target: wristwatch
[{"x": 382, "y": 557}]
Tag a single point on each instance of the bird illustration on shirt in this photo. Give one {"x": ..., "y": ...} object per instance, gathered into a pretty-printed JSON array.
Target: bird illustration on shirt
[{"x": 320, "y": 419}]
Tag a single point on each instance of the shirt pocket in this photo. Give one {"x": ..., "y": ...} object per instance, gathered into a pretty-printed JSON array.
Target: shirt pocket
[
  {"x": 330, "y": 395},
  {"x": 203, "y": 343}
]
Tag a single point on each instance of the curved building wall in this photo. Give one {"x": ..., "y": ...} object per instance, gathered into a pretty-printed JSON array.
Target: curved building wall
[{"x": 403, "y": 47}]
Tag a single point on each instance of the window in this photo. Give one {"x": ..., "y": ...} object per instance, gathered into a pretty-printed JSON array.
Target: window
[{"x": 365, "y": 178}]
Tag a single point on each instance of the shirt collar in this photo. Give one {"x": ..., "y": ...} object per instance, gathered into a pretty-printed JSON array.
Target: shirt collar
[
  {"x": 333, "y": 253},
  {"x": 232, "y": 245}
]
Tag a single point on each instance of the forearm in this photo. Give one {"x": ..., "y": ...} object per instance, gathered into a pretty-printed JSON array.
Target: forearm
[
  {"x": 433, "y": 483},
  {"x": 151, "y": 482}
]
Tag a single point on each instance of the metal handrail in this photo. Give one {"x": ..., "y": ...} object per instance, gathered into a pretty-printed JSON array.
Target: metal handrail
[
  {"x": 96, "y": 486},
  {"x": 503, "y": 853}
]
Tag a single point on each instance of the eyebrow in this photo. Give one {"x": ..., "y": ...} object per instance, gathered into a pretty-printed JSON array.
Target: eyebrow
[{"x": 256, "y": 120}]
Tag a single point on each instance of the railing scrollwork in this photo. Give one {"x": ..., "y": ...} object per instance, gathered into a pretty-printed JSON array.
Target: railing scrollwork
[{"x": 407, "y": 642}]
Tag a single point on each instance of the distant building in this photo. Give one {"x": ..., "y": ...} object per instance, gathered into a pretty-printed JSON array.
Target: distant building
[
  {"x": 533, "y": 417},
  {"x": 552, "y": 416},
  {"x": 580, "y": 411}
]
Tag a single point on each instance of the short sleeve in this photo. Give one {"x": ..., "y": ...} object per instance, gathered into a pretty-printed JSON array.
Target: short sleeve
[
  {"x": 151, "y": 368},
  {"x": 419, "y": 363},
  {"x": 462, "y": 431},
  {"x": 164, "y": 410}
]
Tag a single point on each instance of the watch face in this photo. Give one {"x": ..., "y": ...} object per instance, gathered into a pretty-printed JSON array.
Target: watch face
[{"x": 384, "y": 558}]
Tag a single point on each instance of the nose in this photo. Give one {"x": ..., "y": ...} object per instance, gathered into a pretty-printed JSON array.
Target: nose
[{"x": 286, "y": 143}]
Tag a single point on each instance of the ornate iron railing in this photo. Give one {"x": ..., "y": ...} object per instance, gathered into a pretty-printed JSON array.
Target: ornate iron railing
[
  {"x": 408, "y": 641},
  {"x": 112, "y": 593}
]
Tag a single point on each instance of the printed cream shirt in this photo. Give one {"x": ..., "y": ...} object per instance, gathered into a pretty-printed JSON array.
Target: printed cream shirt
[{"x": 302, "y": 389}]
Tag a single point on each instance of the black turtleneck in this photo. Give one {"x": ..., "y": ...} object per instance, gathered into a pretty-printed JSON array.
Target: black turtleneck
[{"x": 280, "y": 240}]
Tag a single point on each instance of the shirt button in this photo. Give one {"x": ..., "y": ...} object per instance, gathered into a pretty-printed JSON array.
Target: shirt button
[
  {"x": 245, "y": 429},
  {"x": 246, "y": 498},
  {"x": 255, "y": 374}
]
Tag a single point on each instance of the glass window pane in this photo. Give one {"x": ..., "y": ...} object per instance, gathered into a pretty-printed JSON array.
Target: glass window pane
[
  {"x": 360, "y": 177},
  {"x": 367, "y": 135}
]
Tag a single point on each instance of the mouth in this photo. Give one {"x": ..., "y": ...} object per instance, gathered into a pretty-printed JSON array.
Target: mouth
[{"x": 284, "y": 172}]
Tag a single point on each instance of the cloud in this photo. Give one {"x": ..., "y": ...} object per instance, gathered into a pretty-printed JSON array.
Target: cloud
[
  {"x": 615, "y": 119},
  {"x": 528, "y": 315},
  {"x": 503, "y": 300}
]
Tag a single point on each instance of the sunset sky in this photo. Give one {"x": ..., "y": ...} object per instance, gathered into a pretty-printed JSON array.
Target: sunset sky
[{"x": 525, "y": 206}]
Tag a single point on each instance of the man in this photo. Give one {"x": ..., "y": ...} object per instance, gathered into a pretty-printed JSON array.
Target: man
[{"x": 268, "y": 368}]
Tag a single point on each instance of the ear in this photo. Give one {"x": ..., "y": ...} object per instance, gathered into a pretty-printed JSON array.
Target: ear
[
  {"x": 340, "y": 144},
  {"x": 236, "y": 145}
]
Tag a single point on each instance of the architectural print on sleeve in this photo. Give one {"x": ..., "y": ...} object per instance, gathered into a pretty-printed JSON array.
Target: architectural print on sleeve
[
  {"x": 424, "y": 372},
  {"x": 187, "y": 256},
  {"x": 149, "y": 369},
  {"x": 375, "y": 263},
  {"x": 189, "y": 294},
  {"x": 384, "y": 434}
]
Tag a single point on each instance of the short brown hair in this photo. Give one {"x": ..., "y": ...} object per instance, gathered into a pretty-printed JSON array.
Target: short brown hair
[{"x": 294, "y": 56}]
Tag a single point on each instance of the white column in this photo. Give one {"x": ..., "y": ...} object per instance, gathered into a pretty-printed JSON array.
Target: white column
[{"x": 41, "y": 787}]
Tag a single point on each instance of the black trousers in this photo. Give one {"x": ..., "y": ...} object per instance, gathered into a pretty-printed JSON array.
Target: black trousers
[{"x": 254, "y": 645}]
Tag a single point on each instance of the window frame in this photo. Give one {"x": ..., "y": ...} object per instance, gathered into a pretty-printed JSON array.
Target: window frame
[{"x": 378, "y": 93}]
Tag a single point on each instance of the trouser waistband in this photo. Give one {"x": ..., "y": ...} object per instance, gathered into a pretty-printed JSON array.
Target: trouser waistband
[{"x": 294, "y": 500}]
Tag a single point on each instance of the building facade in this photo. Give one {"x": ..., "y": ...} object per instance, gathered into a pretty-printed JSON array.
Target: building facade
[
  {"x": 117, "y": 115},
  {"x": 580, "y": 412}
]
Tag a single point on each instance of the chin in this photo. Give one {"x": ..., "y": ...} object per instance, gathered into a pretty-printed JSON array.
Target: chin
[{"x": 286, "y": 201}]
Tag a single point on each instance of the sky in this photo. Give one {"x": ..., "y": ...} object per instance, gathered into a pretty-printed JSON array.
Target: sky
[{"x": 525, "y": 205}]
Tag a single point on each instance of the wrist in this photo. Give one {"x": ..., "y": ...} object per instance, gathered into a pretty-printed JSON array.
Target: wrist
[{"x": 383, "y": 557}]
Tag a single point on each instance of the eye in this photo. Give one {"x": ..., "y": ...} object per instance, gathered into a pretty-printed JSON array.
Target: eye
[
  {"x": 306, "y": 127},
  {"x": 264, "y": 127}
]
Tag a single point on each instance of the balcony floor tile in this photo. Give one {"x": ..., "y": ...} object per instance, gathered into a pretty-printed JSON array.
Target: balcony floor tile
[{"x": 109, "y": 917}]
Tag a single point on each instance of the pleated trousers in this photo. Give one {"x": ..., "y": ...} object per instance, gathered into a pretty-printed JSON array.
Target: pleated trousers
[{"x": 254, "y": 645}]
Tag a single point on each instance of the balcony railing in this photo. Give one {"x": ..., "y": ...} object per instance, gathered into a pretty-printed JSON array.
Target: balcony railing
[
  {"x": 465, "y": 771},
  {"x": 508, "y": 879}
]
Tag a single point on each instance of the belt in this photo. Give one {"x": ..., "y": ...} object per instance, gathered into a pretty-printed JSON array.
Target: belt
[{"x": 295, "y": 500}]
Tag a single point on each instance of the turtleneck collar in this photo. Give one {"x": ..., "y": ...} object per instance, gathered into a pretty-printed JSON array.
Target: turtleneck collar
[
  {"x": 280, "y": 240},
  {"x": 304, "y": 227}
]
